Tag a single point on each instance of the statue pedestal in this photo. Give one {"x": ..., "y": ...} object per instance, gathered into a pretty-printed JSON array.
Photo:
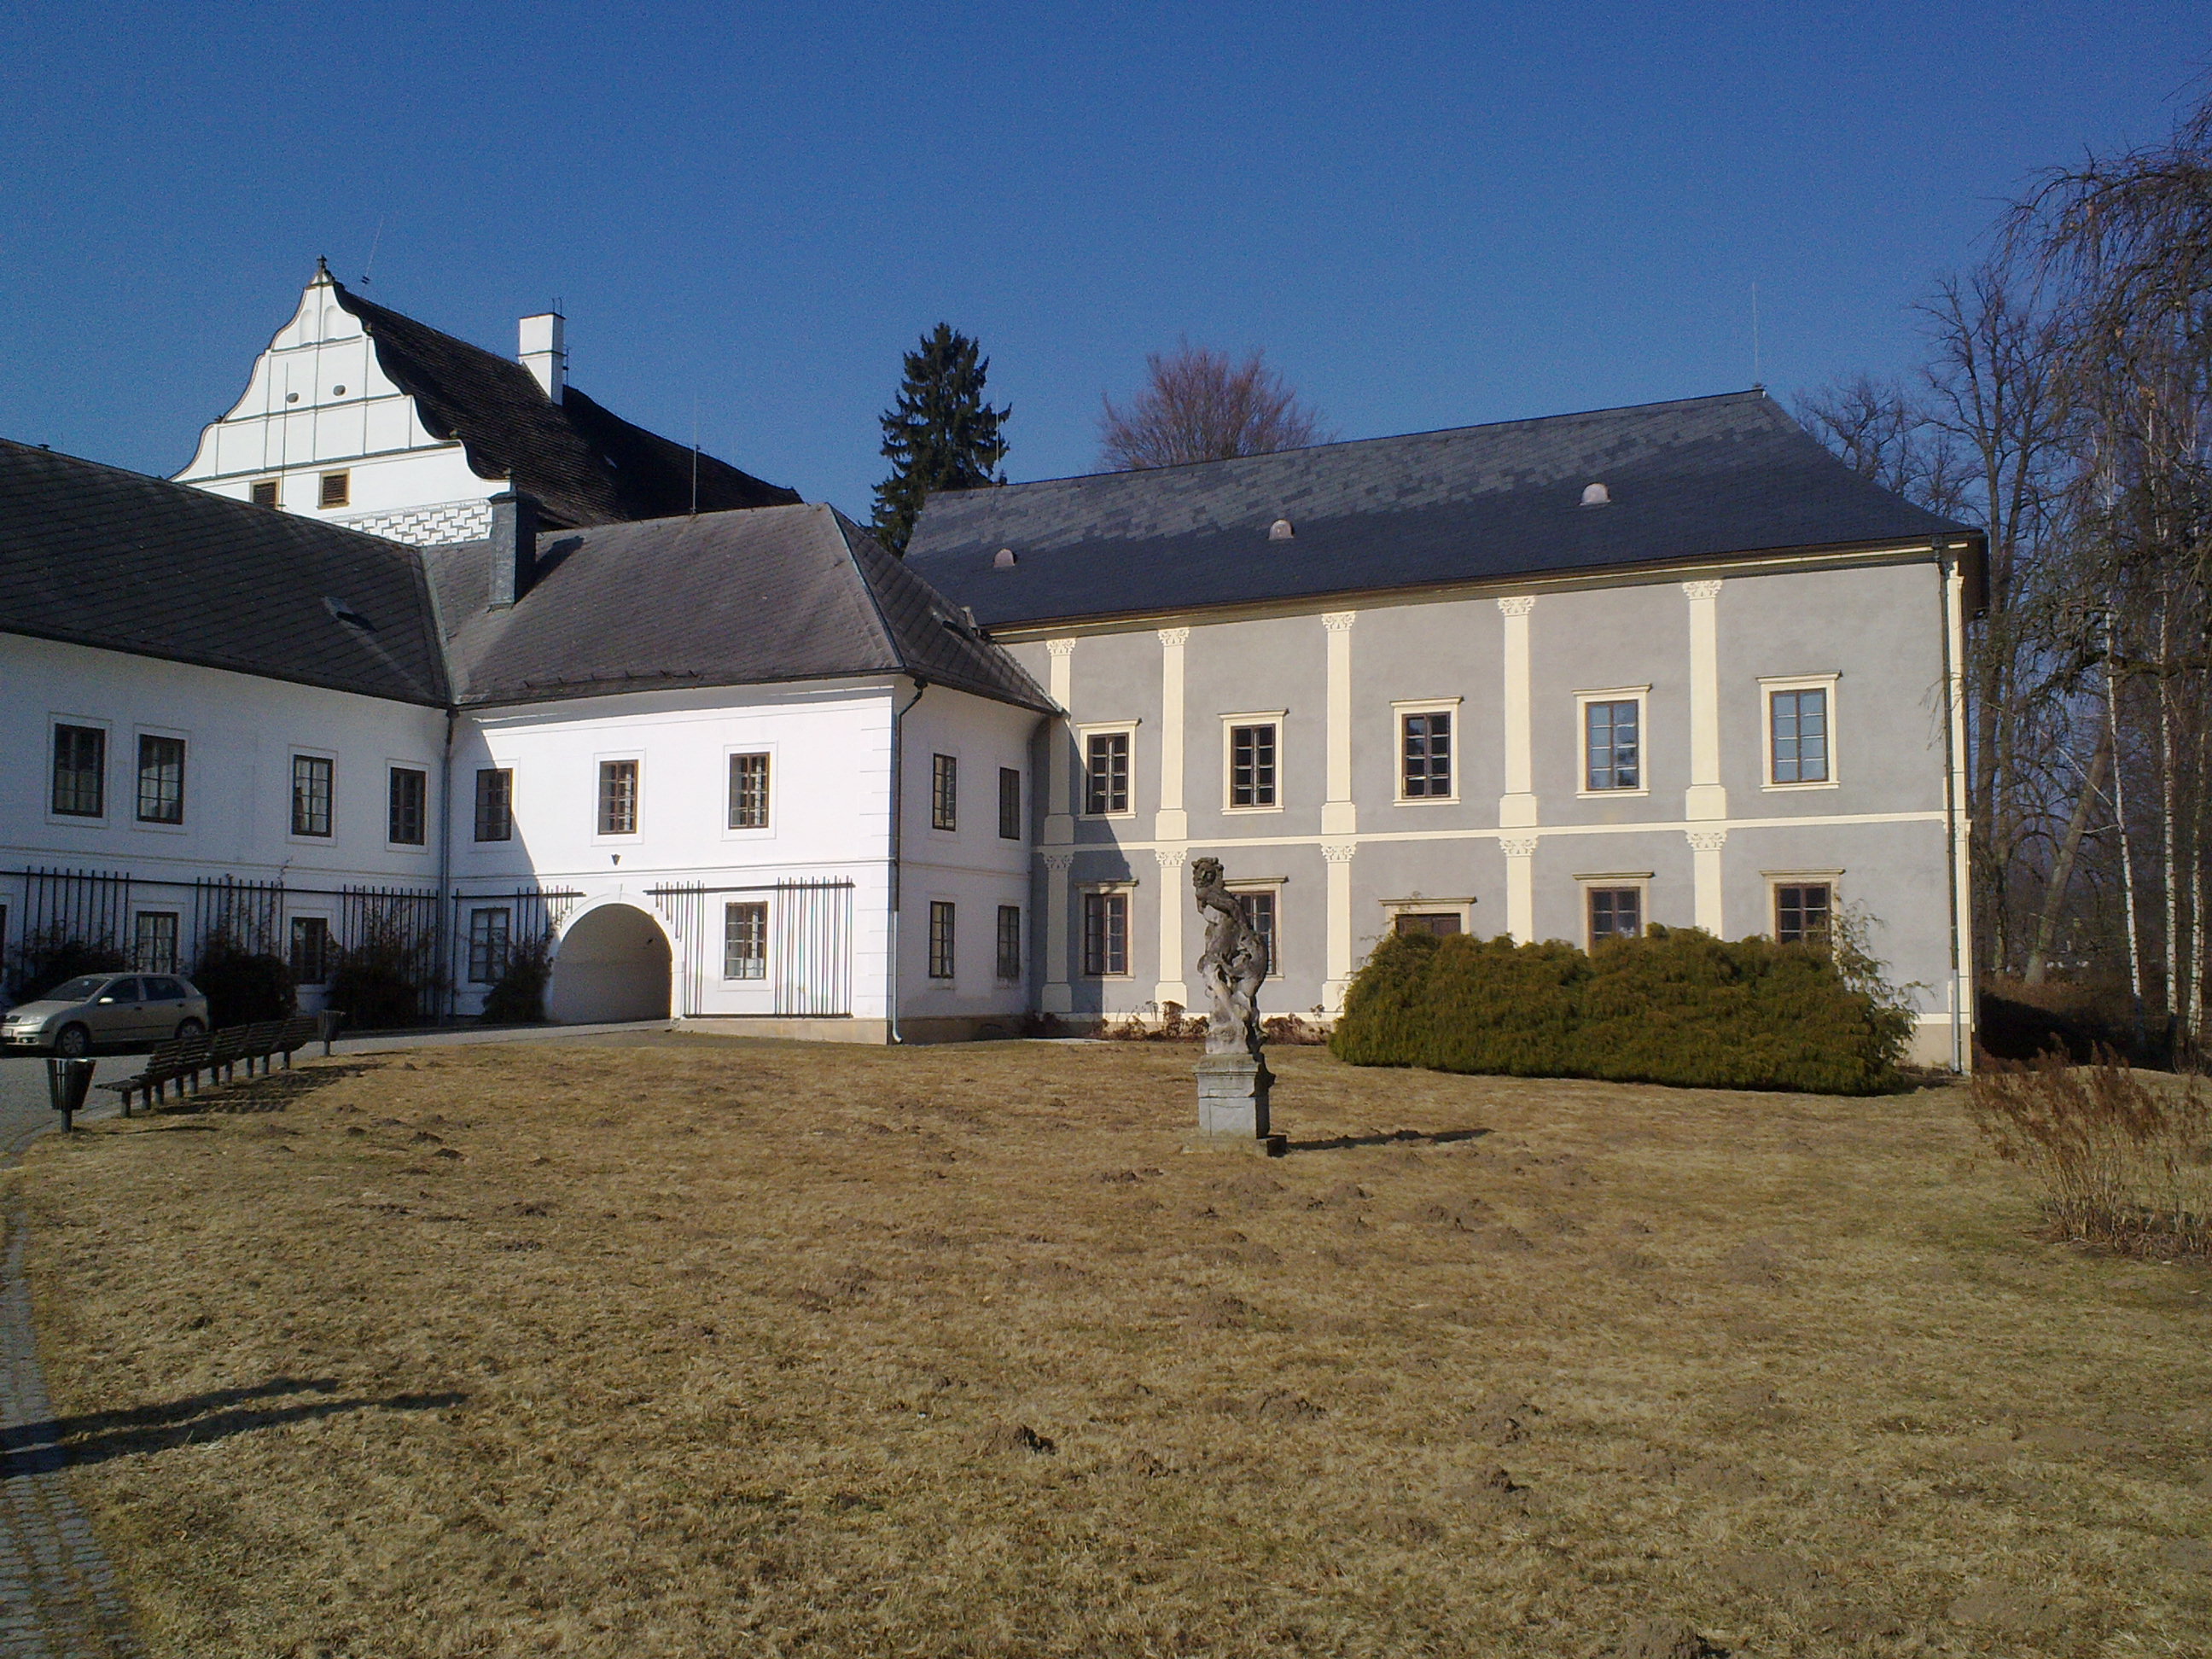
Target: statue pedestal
[{"x": 1232, "y": 1102}]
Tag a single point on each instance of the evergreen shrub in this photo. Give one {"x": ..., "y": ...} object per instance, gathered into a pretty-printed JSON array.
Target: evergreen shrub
[
  {"x": 242, "y": 985},
  {"x": 517, "y": 997},
  {"x": 1676, "y": 1007}
]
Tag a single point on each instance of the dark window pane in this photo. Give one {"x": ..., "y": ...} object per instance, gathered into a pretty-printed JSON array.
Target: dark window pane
[
  {"x": 1800, "y": 736},
  {"x": 1611, "y": 747},
  {"x": 744, "y": 941},
  {"x": 1252, "y": 766},
  {"x": 161, "y": 780},
  {"x": 1441, "y": 923},
  {"x": 1615, "y": 913},
  {"x": 1105, "y": 934},
  {"x": 1800, "y": 912},
  {"x": 495, "y": 803},
  {"x": 410, "y": 804},
  {"x": 1010, "y": 941},
  {"x": 1010, "y": 803},
  {"x": 154, "y": 947},
  {"x": 311, "y": 949},
  {"x": 618, "y": 798},
  {"x": 264, "y": 492},
  {"x": 1106, "y": 780},
  {"x": 338, "y": 488},
  {"x": 748, "y": 791},
  {"x": 1259, "y": 910},
  {"x": 941, "y": 939},
  {"x": 1426, "y": 751},
  {"x": 944, "y": 791},
  {"x": 311, "y": 795},
  {"x": 80, "y": 771}
]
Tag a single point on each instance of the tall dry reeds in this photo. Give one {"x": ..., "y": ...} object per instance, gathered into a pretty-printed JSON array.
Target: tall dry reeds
[{"x": 2124, "y": 1157}]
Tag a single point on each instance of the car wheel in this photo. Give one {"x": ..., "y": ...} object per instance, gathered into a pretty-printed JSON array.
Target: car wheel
[
  {"x": 189, "y": 1028},
  {"x": 74, "y": 1043}
]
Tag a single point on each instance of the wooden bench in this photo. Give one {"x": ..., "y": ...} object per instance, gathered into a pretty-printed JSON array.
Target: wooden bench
[
  {"x": 218, "y": 1055},
  {"x": 170, "y": 1062}
]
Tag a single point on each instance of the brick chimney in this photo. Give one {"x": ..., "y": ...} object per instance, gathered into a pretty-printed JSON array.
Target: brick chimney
[
  {"x": 514, "y": 547},
  {"x": 544, "y": 351}
]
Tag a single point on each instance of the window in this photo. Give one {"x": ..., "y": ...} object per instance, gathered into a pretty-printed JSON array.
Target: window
[
  {"x": 1259, "y": 909},
  {"x": 491, "y": 932},
  {"x": 311, "y": 797},
  {"x": 1441, "y": 923},
  {"x": 80, "y": 771},
  {"x": 618, "y": 798},
  {"x": 744, "y": 940},
  {"x": 154, "y": 947},
  {"x": 1106, "y": 774},
  {"x": 337, "y": 489},
  {"x": 1010, "y": 803},
  {"x": 161, "y": 780},
  {"x": 164, "y": 989},
  {"x": 1615, "y": 913},
  {"x": 944, "y": 791},
  {"x": 940, "y": 938},
  {"x": 1612, "y": 751},
  {"x": 1105, "y": 934},
  {"x": 1798, "y": 735},
  {"x": 311, "y": 949},
  {"x": 495, "y": 803},
  {"x": 1010, "y": 941},
  {"x": 748, "y": 794},
  {"x": 1800, "y": 912},
  {"x": 409, "y": 805},
  {"x": 1251, "y": 765},
  {"x": 264, "y": 492},
  {"x": 1425, "y": 771}
]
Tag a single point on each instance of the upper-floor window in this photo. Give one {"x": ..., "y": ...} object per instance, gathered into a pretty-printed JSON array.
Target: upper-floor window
[
  {"x": 264, "y": 492},
  {"x": 618, "y": 798},
  {"x": 945, "y": 791},
  {"x": 1252, "y": 764},
  {"x": 409, "y": 806},
  {"x": 494, "y": 815},
  {"x": 311, "y": 778},
  {"x": 941, "y": 939},
  {"x": 1798, "y": 735},
  {"x": 1106, "y": 774},
  {"x": 1010, "y": 803},
  {"x": 1801, "y": 911},
  {"x": 491, "y": 935},
  {"x": 1105, "y": 934},
  {"x": 748, "y": 793},
  {"x": 1010, "y": 941},
  {"x": 80, "y": 771},
  {"x": 1614, "y": 913},
  {"x": 1613, "y": 747},
  {"x": 1425, "y": 754},
  {"x": 337, "y": 489},
  {"x": 161, "y": 780},
  {"x": 744, "y": 940}
]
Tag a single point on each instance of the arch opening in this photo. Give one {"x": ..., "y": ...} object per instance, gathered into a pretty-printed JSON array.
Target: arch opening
[{"x": 613, "y": 964}]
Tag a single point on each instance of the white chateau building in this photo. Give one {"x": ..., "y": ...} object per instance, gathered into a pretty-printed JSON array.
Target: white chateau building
[{"x": 426, "y": 644}]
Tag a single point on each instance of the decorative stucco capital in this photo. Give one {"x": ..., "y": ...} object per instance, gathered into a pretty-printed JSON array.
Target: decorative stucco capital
[
  {"x": 1170, "y": 858},
  {"x": 1061, "y": 648},
  {"x": 1702, "y": 593},
  {"x": 1517, "y": 605},
  {"x": 1339, "y": 621},
  {"x": 1338, "y": 852},
  {"x": 1518, "y": 846},
  {"x": 1175, "y": 637},
  {"x": 1059, "y": 863},
  {"x": 1707, "y": 840}
]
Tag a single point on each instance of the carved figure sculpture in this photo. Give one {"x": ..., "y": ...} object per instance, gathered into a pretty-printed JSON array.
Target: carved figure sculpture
[{"x": 1231, "y": 967}]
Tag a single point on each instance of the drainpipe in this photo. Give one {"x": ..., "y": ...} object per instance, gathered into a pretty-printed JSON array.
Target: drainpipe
[
  {"x": 898, "y": 811},
  {"x": 446, "y": 918},
  {"x": 1953, "y": 828}
]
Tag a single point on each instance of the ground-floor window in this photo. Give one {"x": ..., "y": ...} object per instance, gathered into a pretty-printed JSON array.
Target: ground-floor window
[
  {"x": 1259, "y": 909},
  {"x": 154, "y": 947},
  {"x": 941, "y": 939},
  {"x": 311, "y": 950},
  {"x": 1105, "y": 934},
  {"x": 744, "y": 940},
  {"x": 1010, "y": 941},
  {"x": 1441, "y": 923},
  {"x": 1615, "y": 913},
  {"x": 490, "y": 933},
  {"x": 1801, "y": 911}
]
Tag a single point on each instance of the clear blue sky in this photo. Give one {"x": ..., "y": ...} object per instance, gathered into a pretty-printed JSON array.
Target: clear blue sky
[{"x": 1429, "y": 215}]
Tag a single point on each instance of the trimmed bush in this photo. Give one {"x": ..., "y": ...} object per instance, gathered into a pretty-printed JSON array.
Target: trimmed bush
[
  {"x": 1676, "y": 1006},
  {"x": 242, "y": 985}
]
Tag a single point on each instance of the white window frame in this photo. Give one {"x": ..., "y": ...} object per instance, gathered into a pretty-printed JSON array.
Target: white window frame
[
  {"x": 1641, "y": 696},
  {"x": 761, "y": 832},
  {"x": 469, "y": 942},
  {"x": 766, "y": 902},
  {"x": 1768, "y": 685},
  {"x": 1832, "y": 879},
  {"x": 1275, "y": 717},
  {"x": 416, "y": 848},
  {"x": 176, "y": 967},
  {"x": 1083, "y": 736},
  {"x": 107, "y": 814},
  {"x": 1403, "y": 707},
  {"x": 1127, "y": 889},
  {"x": 1639, "y": 879},
  {"x": 183, "y": 824},
  {"x": 623, "y": 838},
  {"x": 292, "y": 755}
]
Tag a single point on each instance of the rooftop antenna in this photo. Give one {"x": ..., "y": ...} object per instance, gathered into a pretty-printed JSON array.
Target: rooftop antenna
[
  {"x": 370, "y": 263},
  {"x": 1757, "y": 383}
]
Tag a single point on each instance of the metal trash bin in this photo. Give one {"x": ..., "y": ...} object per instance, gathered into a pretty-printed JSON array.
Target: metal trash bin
[{"x": 68, "y": 1082}]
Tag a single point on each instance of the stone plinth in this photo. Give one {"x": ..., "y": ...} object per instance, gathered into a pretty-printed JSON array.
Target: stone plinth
[{"x": 1232, "y": 1097}]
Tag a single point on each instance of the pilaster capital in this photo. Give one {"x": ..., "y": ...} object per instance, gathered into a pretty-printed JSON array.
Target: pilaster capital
[
  {"x": 1702, "y": 593},
  {"x": 1706, "y": 841},
  {"x": 1339, "y": 621},
  {"x": 1517, "y": 605},
  {"x": 1059, "y": 863},
  {"x": 1518, "y": 846},
  {"x": 1338, "y": 852},
  {"x": 1061, "y": 648},
  {"x": 1174, "y": 638},
  {"x": 1170, "y": 858}
]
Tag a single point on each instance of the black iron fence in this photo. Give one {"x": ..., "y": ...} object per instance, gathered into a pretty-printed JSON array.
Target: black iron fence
[{"x": 810, "y": 953}]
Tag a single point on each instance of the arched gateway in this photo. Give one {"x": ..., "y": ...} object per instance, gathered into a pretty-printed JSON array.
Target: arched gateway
[{"x": 612, "y": 965}]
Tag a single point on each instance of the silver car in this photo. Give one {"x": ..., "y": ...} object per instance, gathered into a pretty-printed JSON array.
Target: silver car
[{"x": 101, "y": 1010}]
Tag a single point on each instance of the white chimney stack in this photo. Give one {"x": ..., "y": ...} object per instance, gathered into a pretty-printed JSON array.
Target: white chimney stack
[{"x": 545, "y": 351}]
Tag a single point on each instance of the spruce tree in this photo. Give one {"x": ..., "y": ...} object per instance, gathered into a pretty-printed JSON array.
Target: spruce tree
[{"x": 941, "y": 434}]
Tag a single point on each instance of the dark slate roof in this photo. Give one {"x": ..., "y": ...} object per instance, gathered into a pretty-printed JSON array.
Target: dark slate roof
[
  {"x": 584, "y": 463},
  {"x": 1699, "y": 478},
  {"x": 725, "y": 598},
  {"x": 94, "y": 555}
]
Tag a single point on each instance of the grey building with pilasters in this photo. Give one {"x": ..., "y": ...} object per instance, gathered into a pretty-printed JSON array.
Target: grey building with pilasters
[{"x": 1560, "y": 679}]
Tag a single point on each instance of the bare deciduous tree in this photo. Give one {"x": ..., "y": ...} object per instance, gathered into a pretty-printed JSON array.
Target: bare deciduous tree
[{"x": 1198, "y": 405}]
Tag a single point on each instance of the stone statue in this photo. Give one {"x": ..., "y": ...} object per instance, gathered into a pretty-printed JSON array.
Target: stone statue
[
  {"x": 1233, "y": 1079},
  {"x": 1231, "y": 967}
]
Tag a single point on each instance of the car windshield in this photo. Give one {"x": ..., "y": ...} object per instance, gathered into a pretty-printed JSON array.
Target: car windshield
[{"x": 80, "y": 989}]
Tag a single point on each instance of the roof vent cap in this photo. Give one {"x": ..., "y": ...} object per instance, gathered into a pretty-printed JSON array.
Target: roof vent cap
[
  {"x": 1596, "y": 495},
  {"x": 1280, "y": 531},
  {"x": 1004, "y": 559}
]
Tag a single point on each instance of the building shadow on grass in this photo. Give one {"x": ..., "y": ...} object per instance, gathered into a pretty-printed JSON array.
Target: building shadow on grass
[
  {"x": 95, "y": 1437},
  {"x": 271, "y": 1092},
  {"x": 1389, "y": 1138}
]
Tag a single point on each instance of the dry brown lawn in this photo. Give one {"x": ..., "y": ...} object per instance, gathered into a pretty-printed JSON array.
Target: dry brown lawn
[{"x": 706, "y": 1347}]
